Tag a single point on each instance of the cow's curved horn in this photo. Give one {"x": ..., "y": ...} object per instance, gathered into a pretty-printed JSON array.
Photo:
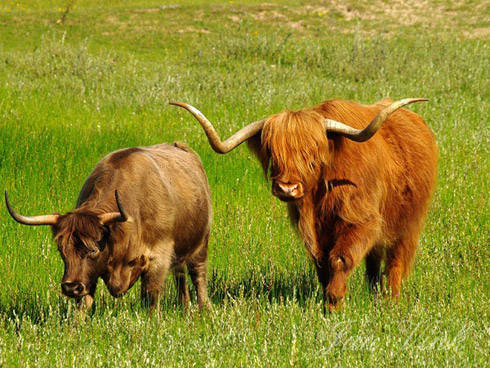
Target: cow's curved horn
[
  {"x": 214, "y": 140},
  {"x": 361, "y": 135},
  {"x": 30, "y": 220},
  {"x": 111, "y": 217}
]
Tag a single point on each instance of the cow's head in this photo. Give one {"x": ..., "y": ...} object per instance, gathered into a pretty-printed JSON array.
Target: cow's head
[
  {"x": 292, "y": 146},
  {"x": 82, "y": 237}
]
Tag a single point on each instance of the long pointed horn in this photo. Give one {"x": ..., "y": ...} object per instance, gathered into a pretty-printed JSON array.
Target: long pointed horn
[
  {"x": 111, "y": 217},
  {"x": 361, "y": 135},
  {"x": 30, "y": 220},
  {"x": 214, "y": 140}
]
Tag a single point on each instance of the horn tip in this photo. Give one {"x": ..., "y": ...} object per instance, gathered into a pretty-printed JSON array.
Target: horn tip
[
  {"x": 118, "y": 200},
  {"x": 119, "y": 206},
  {"x": 9, "y": 208},
  {"x": 7, "y": 202},
  {"x": 417, "y": 99},
  {"x": 408, "y": 101}
]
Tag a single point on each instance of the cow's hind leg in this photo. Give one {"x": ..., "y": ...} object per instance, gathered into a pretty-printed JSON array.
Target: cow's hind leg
[
  {"x": 181, "y": 285},
  {"x": 197, "y": 270},
  {"x": 398, "y": 263}
]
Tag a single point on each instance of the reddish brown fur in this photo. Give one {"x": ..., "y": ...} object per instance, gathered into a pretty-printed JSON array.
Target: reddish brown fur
[{"x": 359, "y": 198}]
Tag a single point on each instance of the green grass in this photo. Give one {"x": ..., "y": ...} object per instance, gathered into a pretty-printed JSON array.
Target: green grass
[{"x": 71, "y": 93}]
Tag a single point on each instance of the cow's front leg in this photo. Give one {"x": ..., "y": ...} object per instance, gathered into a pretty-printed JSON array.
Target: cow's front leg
[
  {"x": 151, "y": 290},
  {"x": 351, "y": 246},
  {"x": 322, "y": 270},
  {"x": 152, "y": 283}
]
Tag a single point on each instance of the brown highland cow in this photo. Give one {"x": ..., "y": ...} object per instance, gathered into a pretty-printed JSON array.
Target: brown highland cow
[
  {"x": 357, "y": 178},
  {"x": 164, "y": 224}
]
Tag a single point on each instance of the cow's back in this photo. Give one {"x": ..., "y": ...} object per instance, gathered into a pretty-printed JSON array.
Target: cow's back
[{"x": 187, "y": 194}]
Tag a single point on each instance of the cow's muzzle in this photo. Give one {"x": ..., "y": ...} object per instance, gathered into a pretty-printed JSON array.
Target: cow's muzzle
[
  {"x": 287, "y": 191},
  {"x": 73, "y": 289}
]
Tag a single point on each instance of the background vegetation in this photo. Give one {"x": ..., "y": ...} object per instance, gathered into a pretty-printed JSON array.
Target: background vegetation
[{"x": 77, "y": 86}]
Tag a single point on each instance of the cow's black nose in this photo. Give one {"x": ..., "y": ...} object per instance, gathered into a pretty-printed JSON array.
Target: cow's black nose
[{"x": 72, "y": 289}]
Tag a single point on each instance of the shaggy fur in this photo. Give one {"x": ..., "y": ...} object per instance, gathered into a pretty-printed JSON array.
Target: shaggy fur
[
  {"x": 165, "y": 193},
  {"x": 361, "y": 200}
]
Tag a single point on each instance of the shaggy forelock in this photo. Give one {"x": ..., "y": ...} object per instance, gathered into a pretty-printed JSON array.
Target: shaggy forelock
[
  {"x": 84, "y": 226},
  {"x": 296, "y": 142}
]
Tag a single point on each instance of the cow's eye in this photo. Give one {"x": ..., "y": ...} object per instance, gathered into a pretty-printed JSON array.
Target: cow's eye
[
  {"x": 132, "y": 263},
  {"x": 93, "y": 254}
]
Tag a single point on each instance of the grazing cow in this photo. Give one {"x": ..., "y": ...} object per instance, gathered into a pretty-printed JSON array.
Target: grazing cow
[
  {"x": 164, "y": 224},
  {"x": 352, "y": 193}
]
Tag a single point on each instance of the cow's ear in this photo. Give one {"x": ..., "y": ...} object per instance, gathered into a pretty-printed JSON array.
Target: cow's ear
[{"x": 255, "y": 145}]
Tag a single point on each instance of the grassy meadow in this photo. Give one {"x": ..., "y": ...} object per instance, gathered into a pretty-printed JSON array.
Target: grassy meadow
[{"x": 75, "y": 87}]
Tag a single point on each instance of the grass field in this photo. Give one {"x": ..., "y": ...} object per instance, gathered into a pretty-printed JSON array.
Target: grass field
[{"x": 72, "y": 91}]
